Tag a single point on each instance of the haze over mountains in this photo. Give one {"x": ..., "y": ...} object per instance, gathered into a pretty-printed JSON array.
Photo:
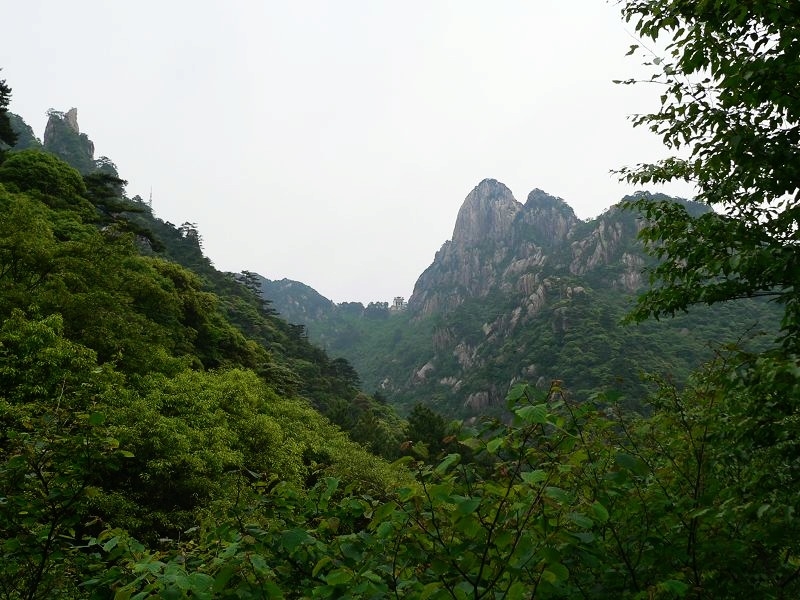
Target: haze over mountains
[{"x": 520, "y": 292}]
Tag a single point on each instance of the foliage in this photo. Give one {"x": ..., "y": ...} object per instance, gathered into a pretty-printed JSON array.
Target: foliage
[
  {"x": 129, "y": 400},
  {"x": 81, "y": 449},
  {"x": 53, "y": 446},
  {"x": 729, "y": 78},
  {"x": 295, "y": 365},
  {"x": 32, "y": 170},
  {"x": 26, "y": 138},
  {"x": 428, "y": 428},
  {"x": 566, "y": 502},
  {"x": 7, "y": 134},
  {"x": 500, "y": 528}
]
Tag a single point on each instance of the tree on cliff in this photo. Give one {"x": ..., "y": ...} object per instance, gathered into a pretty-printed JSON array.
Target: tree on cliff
[
  {"x": 7, "y": 135},
  {"x": 730, "y": 78}
]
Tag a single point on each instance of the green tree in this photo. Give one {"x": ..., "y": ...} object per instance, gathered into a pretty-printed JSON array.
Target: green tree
[
  {"x": 7, "y": 135},
  {"x": 427, "y": 427},
  {"x": 512, "y": 526},
  {"x": 729, "y": 77},
  {"x": 53, "y": 446},
  {"x": 36, "y": 171}
]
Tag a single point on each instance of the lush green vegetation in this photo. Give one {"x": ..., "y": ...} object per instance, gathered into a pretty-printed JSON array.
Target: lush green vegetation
[
  {"x": 160, "y": 438},
  {"x": 729, "y": 77},
  {"x": 577, "y": 338},
  {"x": 133, "y": 395}
]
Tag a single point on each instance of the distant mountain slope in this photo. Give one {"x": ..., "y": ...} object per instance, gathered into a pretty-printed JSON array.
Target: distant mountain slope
[
  {"x": 523, "y": 292},
  {"x": 295, "y": 301}
]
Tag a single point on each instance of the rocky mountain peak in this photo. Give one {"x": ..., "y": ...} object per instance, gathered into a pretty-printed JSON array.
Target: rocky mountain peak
[
  {"x": 63, "y": 138},
  {"x": 501, "y": 246},
  {"x": 549, "y": 219},
  {"x": 488, "y": 213},
  {"x": 539, "y": 199},
  {"x": 71, "y": 119}
]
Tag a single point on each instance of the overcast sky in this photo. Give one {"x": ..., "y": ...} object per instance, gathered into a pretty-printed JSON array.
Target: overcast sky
[{"x": 334, "y": 142}]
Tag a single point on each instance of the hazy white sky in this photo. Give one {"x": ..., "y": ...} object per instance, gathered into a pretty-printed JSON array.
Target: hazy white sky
[{"x": 334, "y": 142}]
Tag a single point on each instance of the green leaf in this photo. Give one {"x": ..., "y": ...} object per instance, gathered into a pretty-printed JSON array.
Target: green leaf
[
  {"x": 467, "y": 505},
  {"x": 515, "y": 394},
  {"x": 599, "y": 512},
  {"x": 536, "y": 415},
  {"x": 339, "y": 577},
  {"x": 631, "y": 463},
  {"x": 559, "y": 570},
  {"x": 673, "y": 586},
  {"x": 385, "y": 530},
  {"x": 321, "y": 564},
  {"x": 383, "y": 511},
  {"x": 493, "y": 444},
  {"x": 534, "y": 477},
  {"x": 471, "y": 443},
  {"x": 581, "y": 520},
  {"x": 558, "y": 494},
  {"x": 111, "y": 544},
  {"x": 294, "y": 538},
  {"x": 429, "y": 590},
  {"x": 446, "y": 463},
  {"x": 273, "y": 591},
  {"x": 517, "y": 591},
  {"x": 223, "y": 576}
]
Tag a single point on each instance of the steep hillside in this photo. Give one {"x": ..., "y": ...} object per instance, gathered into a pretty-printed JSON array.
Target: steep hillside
[
  {"x": 524, "y": 292},
  {"x": 295, "y": 301},
  {"x": 246, "y": 331}
]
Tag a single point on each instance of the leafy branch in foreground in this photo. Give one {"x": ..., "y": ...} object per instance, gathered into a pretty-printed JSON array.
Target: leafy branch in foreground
[{"x": 730, "y": 77}]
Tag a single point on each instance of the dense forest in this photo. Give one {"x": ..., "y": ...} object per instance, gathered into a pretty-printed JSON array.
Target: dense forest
[{"x": 163, "y": 434}]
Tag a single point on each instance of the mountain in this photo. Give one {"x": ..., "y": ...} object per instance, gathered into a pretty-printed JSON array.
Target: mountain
[
  {"x": 26, "y": 138},
  {"x": 243, "y": 330},
  {"x": 521, "y": 292},
  {"x": 295, "y": 301},
  {"x": 63, "y": 138}
]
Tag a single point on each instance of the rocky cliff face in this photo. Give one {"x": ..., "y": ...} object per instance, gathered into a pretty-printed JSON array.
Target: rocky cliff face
[
  {"x": 523, "y": 291},
  {"x": 486, "y": 216},
  {"x": 63, "y": 137},
  {"x": 498, "y": 244}
]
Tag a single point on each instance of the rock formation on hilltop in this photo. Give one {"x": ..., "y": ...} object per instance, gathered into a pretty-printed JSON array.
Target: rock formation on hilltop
[
  {"x": 497, "y": 244},
  {"x": 487, "y": 214},
  {"x": 63, "y": 137}
]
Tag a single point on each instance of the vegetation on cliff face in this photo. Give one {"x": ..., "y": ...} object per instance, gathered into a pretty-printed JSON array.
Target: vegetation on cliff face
[
  {"x": 542, "y": 297},
  {"x": 157, "y": 438}
]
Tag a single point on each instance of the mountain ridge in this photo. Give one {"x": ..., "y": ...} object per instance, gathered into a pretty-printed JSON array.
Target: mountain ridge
[{"x": 522, "y": 292}]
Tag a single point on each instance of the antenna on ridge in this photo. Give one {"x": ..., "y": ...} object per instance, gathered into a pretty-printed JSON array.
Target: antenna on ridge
[{"x": 150, "y": 199}]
